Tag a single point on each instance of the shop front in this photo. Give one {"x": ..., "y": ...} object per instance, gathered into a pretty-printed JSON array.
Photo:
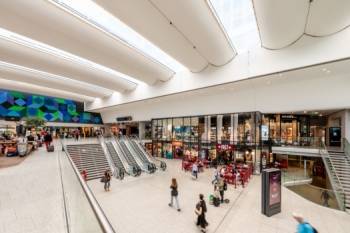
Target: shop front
[{"x": 222, "y": 137}]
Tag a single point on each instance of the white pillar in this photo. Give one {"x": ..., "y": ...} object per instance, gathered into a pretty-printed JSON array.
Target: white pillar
[
  {"x": 235, "y": 127},
  {"x": 219, "y": 127},
  {"x": 142, "y": 130}
]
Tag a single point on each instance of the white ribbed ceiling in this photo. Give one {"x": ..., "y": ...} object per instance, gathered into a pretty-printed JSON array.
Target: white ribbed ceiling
[
  {"x": 282, "y": 22},
  {"x": 186, "y": 30},
  {"x": 52, "y": 25}
]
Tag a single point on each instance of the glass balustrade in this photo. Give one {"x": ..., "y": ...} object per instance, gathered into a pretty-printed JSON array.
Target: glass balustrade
[{"x": 83, "y": 213}]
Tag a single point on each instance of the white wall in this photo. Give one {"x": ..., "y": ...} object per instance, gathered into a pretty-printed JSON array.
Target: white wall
[
  {"x": 307, "y": 51},
  {"x": 295, "y": 91}
]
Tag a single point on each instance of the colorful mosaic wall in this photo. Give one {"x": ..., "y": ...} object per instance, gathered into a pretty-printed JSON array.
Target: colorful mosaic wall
[{"x": 19, "y": 105}]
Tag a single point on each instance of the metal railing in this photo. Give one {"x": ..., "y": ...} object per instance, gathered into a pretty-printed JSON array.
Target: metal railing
[
  {"x": 346, "y": 148},
  {"x": 333, "y": 177},
  {"x": 161, "y": 164},
  {"x": 82, "y": 211},
  {"x": 116, "y": 171}
]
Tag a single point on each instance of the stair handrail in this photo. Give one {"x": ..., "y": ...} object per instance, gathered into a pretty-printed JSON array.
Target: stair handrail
[
  {"x": 116, "y": 171},
  {"x": 102, "y": 219},
  {"x": 132, "y": 166},
  {"x": 346, "y": 148},
  {"x": 336, "y": 185}
]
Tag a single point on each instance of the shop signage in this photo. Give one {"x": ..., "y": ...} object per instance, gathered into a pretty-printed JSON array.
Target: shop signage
[
  {"x": 224, "y": 147},
  {"x": 177, "y": 143},
  {"x": 126, "y": 118},
  {"x": 288, "y": 116}
]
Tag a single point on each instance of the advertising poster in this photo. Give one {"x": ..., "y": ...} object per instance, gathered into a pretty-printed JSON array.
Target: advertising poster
[{"x": 275, "y": 188}]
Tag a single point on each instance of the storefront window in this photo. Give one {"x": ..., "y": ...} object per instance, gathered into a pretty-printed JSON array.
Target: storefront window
[
  {"x": 213, "y": 128},
  {"x": 246, "y": 128},
  {"x": 226, "y": 128},
  {"x": 187, "y": 129},
  {"x": 177, "y": 129},
  {"x": 194, "y": 129},
  {"x": 203, "y": 129}
]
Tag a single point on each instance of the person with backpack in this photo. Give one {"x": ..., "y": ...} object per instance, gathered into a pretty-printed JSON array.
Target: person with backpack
[
  {"x": 303, "y": 226},
  {"x": 201, "y": 209},
  {"x": 174, "y": 193},
  {"x": 221, "y": 186}
]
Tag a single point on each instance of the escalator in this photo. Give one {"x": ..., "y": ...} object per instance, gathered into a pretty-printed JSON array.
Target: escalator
[
  {"x": 136, "y": 170},
  {"x": 146, "y": 163},
  {"x": 115, "y": 157},
  {"x": 145, "y": 156}
]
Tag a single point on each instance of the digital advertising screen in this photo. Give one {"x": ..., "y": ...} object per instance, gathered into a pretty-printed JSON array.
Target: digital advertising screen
[{"x": 275, "y": 188}]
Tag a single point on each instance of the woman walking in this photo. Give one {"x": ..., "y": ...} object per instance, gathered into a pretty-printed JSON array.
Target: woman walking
[
  {"x": 201, "y": 209},
  {"x": 174, "y": 193}
]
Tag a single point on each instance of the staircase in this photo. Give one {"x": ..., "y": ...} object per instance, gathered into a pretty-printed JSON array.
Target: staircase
[
  {"x": 341, "y": 165},
  {"x": 115, "y": 157},
  {"x": 89, "y": 157}
]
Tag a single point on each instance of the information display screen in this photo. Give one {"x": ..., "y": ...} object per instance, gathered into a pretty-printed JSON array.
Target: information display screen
[{"x": 275, "y": 188}]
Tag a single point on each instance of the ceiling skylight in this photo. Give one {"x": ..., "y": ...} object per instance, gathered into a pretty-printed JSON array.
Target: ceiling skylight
[
  {"x": 96, "y": 15},
  {"x": 30, "y": 43},
  {"x": 238, "y": 19}
]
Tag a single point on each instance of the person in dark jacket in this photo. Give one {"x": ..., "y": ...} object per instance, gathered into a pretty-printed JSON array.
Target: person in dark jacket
[
  {"x": 174, "y": 193},
  {"x": 107, "y": 180},
  {"x": 201, "y": 209},
  {"x": 47, "y": 139}
]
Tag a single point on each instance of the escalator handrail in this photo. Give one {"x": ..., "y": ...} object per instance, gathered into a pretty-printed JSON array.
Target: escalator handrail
[
  {"x": 120, "y": 171},
  {"x": 103, "y": 221},
  {"x": 134, "y": 167},
  {"x": 148, "y": 154}
]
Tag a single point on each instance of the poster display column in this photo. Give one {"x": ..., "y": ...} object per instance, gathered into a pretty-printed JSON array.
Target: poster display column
[{"x": 271, "y": 192}]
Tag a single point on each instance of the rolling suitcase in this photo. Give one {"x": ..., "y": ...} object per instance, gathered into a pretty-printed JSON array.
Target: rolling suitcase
[{"x": 50, "y": 148}]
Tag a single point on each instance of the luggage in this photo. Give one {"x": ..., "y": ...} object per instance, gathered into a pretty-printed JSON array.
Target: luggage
[
  {"x": 216, "y": 202},
  {"x": 50, "y": 148}
]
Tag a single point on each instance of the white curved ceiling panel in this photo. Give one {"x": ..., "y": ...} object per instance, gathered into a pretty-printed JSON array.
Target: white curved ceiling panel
[
  {"x": 30, "y": 88},
  {"x": 196, "y": 21},
  {"x": 23, "y": 74},
  {"x": 280, "y": 22},
  {"x": 147, "y": 20},
  {"x": 58, "y": 28},
  {"x": 328, "y": 16},
  {"x": 32, "y": 58}
]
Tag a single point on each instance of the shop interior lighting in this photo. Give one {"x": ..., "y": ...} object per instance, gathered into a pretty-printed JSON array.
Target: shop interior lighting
[
  {"x": 239, "y": 22},
  {"x": 95, "y": 15},
  {"x": 44, "y": 48}
]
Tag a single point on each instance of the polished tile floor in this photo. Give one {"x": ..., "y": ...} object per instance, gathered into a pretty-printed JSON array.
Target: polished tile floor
[
  {"x": 31, "y": 195},
  {"x": 31, "y": 202},
  {"x": 139, "y": 205}
]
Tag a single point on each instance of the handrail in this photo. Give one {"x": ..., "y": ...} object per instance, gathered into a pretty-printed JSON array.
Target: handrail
[
  {"x": 104, "y": 223},
  {"x": 334, "y": 183},
  {"x": 346, "y": 148},
  {"x": 148, "y": 155},
  {"x": 117, "y": 173}
]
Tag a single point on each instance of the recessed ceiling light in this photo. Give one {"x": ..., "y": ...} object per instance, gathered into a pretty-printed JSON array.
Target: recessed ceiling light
[
  {"x": 280, "y": 74},
  {"x": 305, "y": 112},
  {"x": 268, "y": 82},
  {"x": 324, "y": 69},
  {"x": 328, "y": 71}
]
